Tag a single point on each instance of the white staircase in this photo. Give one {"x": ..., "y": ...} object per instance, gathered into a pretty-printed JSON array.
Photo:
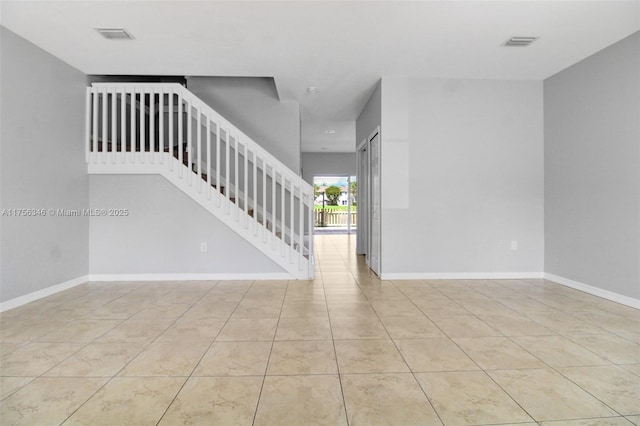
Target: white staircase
[{"x": 142, "y": 128}]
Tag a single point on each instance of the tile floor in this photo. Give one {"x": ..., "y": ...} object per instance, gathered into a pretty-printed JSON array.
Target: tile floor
[{"x": 346, "y": 348}]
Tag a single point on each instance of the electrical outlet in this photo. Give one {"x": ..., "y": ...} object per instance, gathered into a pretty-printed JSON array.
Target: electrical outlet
[
  {"x": 203, "y": 247},
  {"x": 514, "y": 245}
]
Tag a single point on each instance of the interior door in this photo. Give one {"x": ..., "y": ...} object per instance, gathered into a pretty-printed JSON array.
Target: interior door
[{"x": 374, "y": 167}]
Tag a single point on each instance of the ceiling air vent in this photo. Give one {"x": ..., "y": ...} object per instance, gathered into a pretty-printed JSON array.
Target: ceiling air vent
[
  {"x": 114, "y": 33},
  {"x": 520, "y": 41}
]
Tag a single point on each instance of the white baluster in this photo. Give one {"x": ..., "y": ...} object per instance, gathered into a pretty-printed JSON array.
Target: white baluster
[
  {"x": 152, "y": 124},
  {"x": 95, "y": 126},
  {"x": 246, "y": 185},
  {"x": 114, "y": 126},
  {"x": 236, "y": 182},
  {"x": 255, "y": 193},
  {"x": 310, "y": 271},
  {"x": 226, "y": 171},
  {"x": 208, "y": 163},
  {"x": 105, "y": 126},
  {"x": 180, "y": 134},
  {"x": 264, "y": 200},
  {"x": 274, "y": 210},
  {"x": 123, "y": 125},
  {"x": 301, "y": 230},
  {"x": 199, "y": 159},
  {"x": 87, "y": 125},
  {"x": 161, "y": 125},
  {"x": 218, "y": 183},
  {"x": 283, "y": 186},
  {"x": 143, "y": 144},
  {"x": 189, "y": 143},
  {"x": 132, "y": 106},
  {"x": 292, "y": 221},
  {"x": 171, "y": 138}
]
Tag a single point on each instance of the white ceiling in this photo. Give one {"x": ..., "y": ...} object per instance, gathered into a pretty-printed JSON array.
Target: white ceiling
[{"x": 341, "y": 47}]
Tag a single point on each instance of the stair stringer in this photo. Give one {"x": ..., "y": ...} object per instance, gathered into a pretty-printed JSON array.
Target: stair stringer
[{"x": 164, "y": 164}]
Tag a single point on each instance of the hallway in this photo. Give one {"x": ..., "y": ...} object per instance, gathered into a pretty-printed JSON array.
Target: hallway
[{"x": 345, "y": 348}]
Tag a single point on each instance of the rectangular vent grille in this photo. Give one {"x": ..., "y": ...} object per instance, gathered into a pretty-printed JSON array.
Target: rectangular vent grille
[
  {"x": 114, "y": 33},
  {"x": 520, "y": 41}
]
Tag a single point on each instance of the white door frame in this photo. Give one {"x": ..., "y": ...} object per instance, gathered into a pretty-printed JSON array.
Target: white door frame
[
  {"x": 362, "y": 177},
  {"x": 375, "y": 246},
  {"x": 348, "y": 178},
  {"x": 366, "y": 187}
]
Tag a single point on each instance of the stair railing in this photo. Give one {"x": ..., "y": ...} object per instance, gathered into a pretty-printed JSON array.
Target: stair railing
[{"x": 168, "y": 127}]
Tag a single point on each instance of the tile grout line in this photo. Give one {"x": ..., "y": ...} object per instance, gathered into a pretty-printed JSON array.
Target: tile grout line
[
  {"x": 413, "y": 374},
  {"x": 554, "y": 369},
  {"x": 480, "y": 367},
  {"x": 335, "y": 352},
  {"x": 36, "y": 340},
  {"x": 41, "y": 375},
  {"x": 266, "y": 367},
  {"x": 542, "y": 361},
  {"x": 135, "y": 356},
  {"x": 205, "y": 351}
]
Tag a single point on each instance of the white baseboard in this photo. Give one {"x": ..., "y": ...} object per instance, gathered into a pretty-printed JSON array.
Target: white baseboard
[
  {"x": 461, "y": 275},
  {"x": 605, "y": 294},
  {"x": 192, "y": 277},
  {"x": 27, "y": 298}
]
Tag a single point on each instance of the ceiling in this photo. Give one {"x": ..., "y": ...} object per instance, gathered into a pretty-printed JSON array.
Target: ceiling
[{"x": 343, "y": 47}]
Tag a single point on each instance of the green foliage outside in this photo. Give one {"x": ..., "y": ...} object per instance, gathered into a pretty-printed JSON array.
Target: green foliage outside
[
  {"x": 335, "y": 208},
  {"x": 353, "y": 191},
  {"x": 333, "y": 194}
]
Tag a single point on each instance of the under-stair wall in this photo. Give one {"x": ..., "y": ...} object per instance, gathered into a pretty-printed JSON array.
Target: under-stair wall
[{"x": 160, "y": 236}]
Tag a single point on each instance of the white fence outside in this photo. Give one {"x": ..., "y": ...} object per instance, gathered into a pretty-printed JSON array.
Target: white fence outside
[{"x": 324, "y": 218}]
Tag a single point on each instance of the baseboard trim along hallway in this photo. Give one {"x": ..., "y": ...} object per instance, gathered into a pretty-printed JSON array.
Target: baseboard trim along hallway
[
  {"x": 192, "y": 277},
  {"x": 605, "y": 294},
  {"x": 461, "y": 275}
]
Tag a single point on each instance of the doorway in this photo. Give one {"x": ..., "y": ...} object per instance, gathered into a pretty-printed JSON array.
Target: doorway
[{"x": 335, "y": 204}]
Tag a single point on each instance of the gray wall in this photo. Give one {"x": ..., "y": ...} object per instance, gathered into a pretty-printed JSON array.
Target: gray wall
[
  {"x": 592, "y": 170},
  {"x": 371, "y": 115},
  {"x": 462, "y": 176},
  {"x": 163, "y": 232},
  {"x": 328, "y": 164},
  {"x": 42, "y": 166},
  {"x": 252, "y": 105}
]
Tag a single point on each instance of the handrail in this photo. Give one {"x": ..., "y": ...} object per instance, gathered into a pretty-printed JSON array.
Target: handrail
[{"x": 200, "y": 104}]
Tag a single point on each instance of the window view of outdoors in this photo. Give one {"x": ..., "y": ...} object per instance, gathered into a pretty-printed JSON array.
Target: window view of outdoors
[{"x": 335, "y": 204}]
